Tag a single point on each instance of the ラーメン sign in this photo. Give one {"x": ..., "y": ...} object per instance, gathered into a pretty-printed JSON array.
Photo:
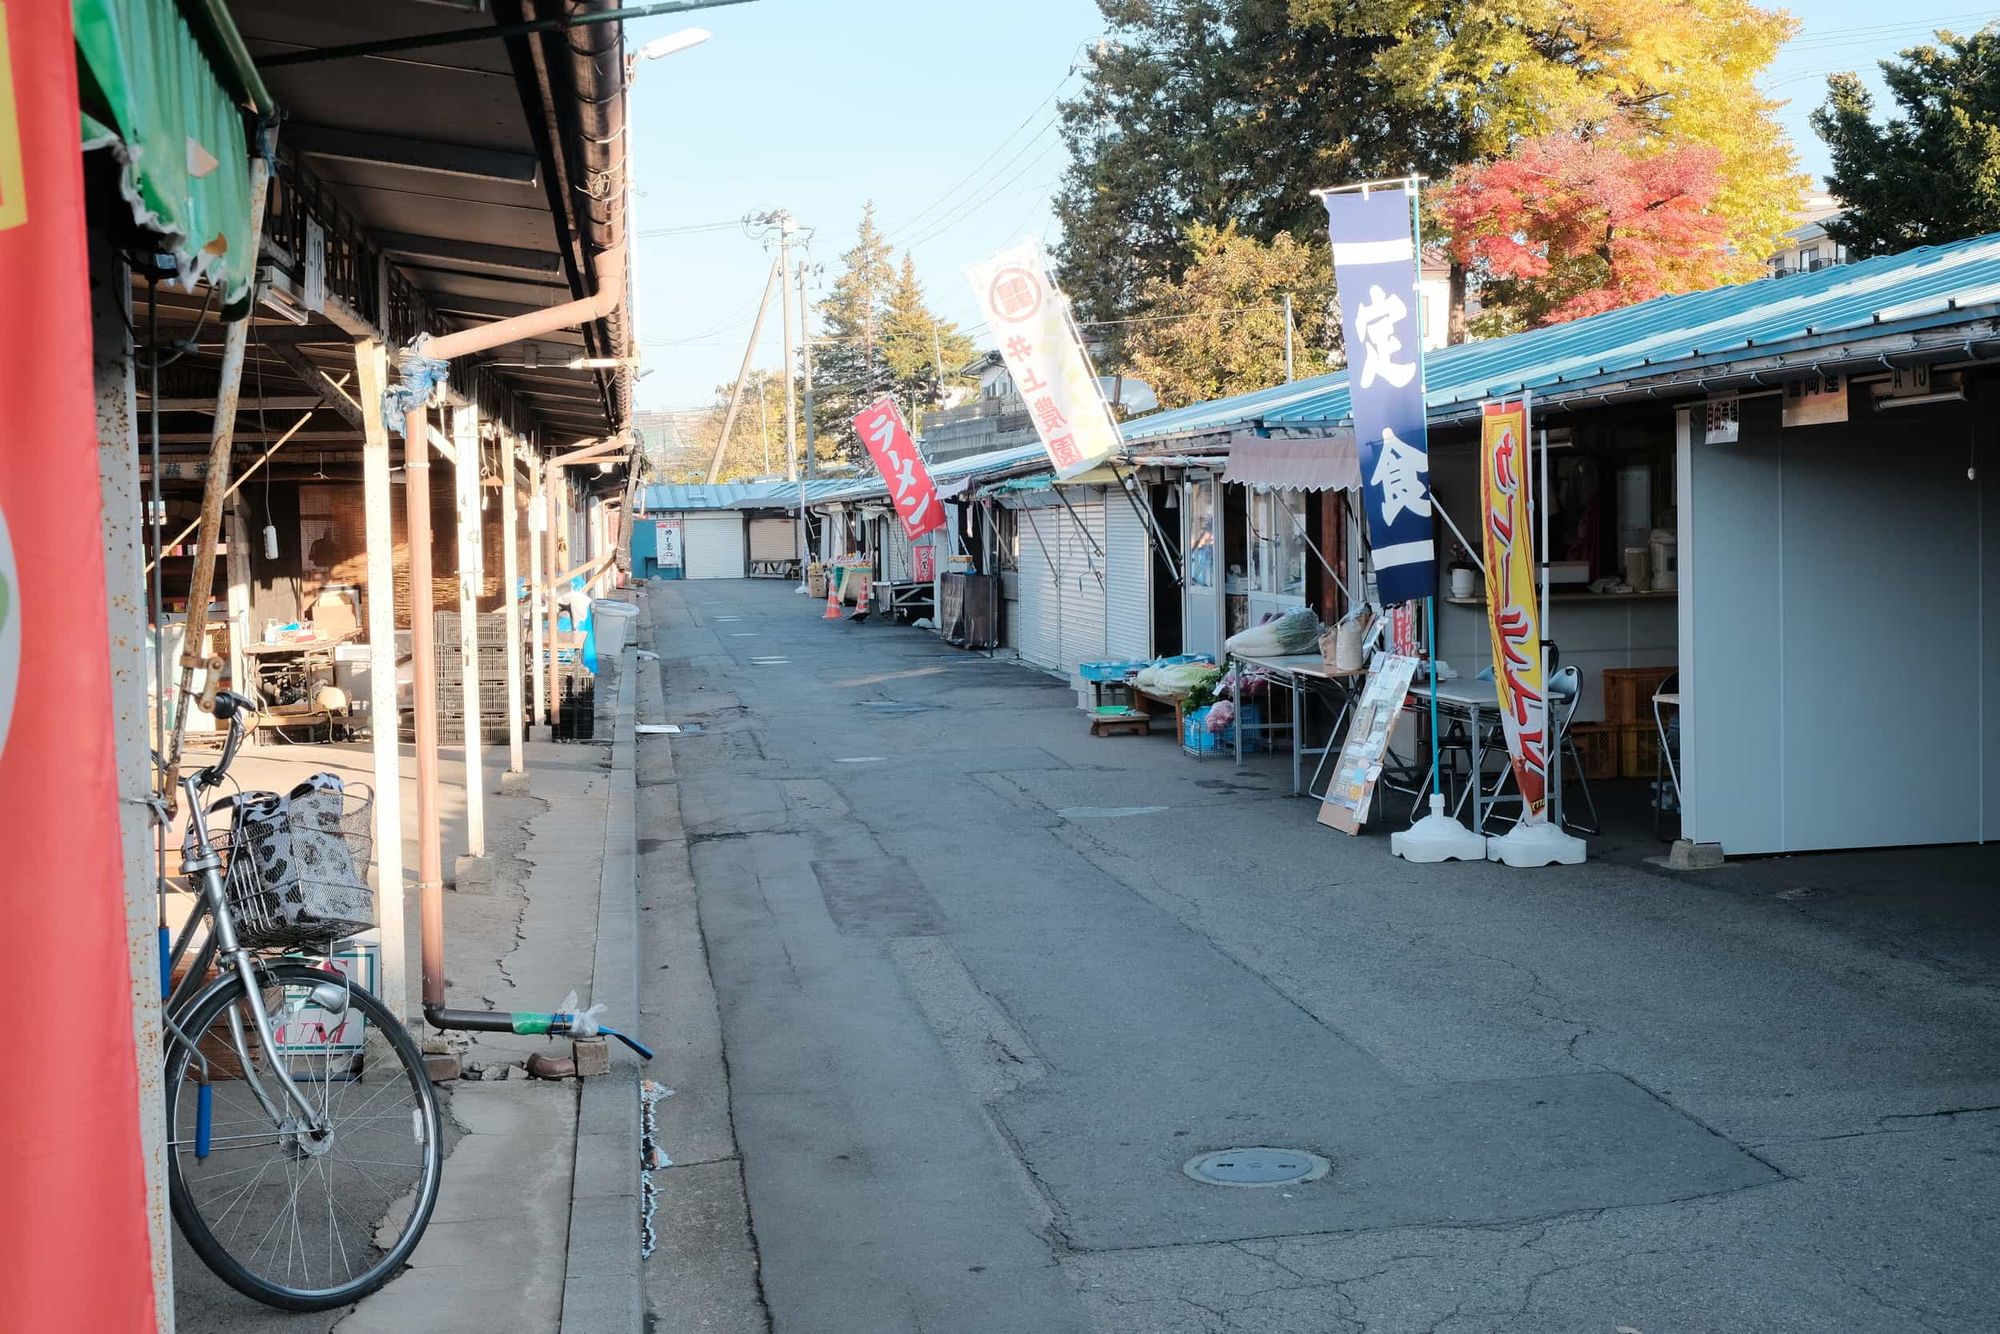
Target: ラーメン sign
[
  {"x": 1506, "y": 498},
  {"x": 1030, "y": 320},
  {"x": 881, "y": 428}
]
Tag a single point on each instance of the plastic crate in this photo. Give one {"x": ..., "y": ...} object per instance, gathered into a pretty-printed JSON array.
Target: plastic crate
[
  {"x": 1629, "y": 691},
  {"x": 1196, "y": 738},
  {"x": 1638, "y": 750},
  {"x": 1597, "y": 748}
]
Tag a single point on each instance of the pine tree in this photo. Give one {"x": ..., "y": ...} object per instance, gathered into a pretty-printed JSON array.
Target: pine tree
[
  {"x": 848, "y": 370},
  {"x": 1933, "y": 173},
  {"x": 921, "y": 351}
]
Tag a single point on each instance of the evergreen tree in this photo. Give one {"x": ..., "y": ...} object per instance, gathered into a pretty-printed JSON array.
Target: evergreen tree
[
  {"x": 848, "y": 369},
  {"x": 1933, "y": 173},
  {"x": 1213, "y": 112},
  {"x": 920, "y": 351}
]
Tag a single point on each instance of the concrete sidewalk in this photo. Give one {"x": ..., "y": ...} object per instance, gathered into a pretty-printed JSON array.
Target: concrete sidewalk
[{"x": 537, "y": 1224}]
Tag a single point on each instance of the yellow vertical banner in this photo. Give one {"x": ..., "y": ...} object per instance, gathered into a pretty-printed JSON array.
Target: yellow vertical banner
[{"x": 1506, "y": 495}]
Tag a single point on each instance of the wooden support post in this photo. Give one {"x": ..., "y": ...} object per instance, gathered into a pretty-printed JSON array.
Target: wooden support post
[
  {"x": 538, "y": 596},
  {"x": 384, "y": 719},
  {"x": 131, "y": 664},
  {"x": 471, "y": 869},
  {"x": 510, "y": 535}
]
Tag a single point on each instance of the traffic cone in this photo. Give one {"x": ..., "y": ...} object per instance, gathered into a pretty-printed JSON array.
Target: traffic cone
[
  {"x": 832, "y": 593},
  {"x": 861, "y": 599}
]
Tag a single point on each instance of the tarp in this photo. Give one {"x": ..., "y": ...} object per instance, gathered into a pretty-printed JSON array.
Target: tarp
[
  {"x": 151, "y": 97},
  {"x": 1326, "y": 464},
  {"x": 75, "y": 1252}
]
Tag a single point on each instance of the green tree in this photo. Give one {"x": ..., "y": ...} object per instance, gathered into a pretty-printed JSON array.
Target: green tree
[
  {"x": 1212, "y": 112},
  {"x": 848, "y": 370},
  {"x": 920, "y": 350},
  {"x": 1675, "y": 74},
  {"x": 1932, "y": 173},
  {"x": 1219, "y": 328}
]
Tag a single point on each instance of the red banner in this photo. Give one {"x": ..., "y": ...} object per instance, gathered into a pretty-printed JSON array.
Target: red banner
[
  {"x": 74, "y": 1251},
  {"x": 881, "y": 428}
]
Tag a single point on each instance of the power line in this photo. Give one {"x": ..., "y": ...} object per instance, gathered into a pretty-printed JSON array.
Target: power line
[
  {"x": 727, "y": 224},
  {"x": 910, "y": 222},
  {"x": 996, "y": 193}
]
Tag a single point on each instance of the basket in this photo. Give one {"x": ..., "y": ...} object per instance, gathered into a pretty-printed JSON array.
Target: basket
[{"x": 298, "y": 865}]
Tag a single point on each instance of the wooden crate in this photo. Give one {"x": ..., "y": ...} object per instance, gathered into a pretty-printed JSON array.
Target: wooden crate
[
  {"x": 1628, "y": 693},
  {"x": 1597, "y": 747},
  {"x": 1638, "y": 750}
]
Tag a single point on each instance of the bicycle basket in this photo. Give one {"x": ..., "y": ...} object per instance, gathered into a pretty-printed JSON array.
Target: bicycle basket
[{"x": 298, "y": 865}]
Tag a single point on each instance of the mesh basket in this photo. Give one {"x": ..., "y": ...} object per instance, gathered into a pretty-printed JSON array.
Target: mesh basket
[{"x": 298, "y": 865}]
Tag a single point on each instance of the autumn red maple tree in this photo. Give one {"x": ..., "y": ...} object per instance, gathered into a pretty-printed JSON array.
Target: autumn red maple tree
[{"x": 1569, "y": 225}]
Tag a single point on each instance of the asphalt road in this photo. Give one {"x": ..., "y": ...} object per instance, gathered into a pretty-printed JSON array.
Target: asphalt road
[{"x": 986, "y": 983}]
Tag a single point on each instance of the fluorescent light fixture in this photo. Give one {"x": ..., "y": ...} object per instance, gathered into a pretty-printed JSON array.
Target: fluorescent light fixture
[{"x": 672, "y": 42}]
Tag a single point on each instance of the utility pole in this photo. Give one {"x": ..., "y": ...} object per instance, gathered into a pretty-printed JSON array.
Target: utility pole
[
  {"x": 1288, "y": 337},
  {"x": 764, "y": 426},
  {"x": 786, "y": 225},
  {"x": 806, "y": 346}
]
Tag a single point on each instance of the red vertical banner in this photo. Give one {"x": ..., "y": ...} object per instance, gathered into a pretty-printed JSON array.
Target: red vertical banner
[
  {"x": 74, "y": 1250},
  {"x": 881, "y": 428}
]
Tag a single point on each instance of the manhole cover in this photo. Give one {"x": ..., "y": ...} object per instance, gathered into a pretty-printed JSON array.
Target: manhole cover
[{"x": 1256, "y": 1167}]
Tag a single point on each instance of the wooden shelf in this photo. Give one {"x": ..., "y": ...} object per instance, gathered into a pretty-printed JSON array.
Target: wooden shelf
[{"x": 1648, "y": 595}]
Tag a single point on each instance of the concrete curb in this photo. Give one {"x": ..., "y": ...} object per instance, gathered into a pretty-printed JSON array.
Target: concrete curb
[{"x": 602, "y": 1280}]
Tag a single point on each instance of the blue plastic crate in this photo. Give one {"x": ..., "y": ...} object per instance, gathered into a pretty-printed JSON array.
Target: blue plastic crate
[{"x": 1196, "y": 737}]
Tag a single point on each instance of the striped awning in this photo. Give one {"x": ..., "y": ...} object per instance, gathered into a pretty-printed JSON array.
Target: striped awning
[{"x": 1323, "y": 463}]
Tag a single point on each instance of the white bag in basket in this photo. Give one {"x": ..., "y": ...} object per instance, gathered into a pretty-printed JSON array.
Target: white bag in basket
[{"x": 299, "y": 849}]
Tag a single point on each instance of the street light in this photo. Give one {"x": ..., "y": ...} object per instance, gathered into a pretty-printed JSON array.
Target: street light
[{"x": 669, "y": 44}]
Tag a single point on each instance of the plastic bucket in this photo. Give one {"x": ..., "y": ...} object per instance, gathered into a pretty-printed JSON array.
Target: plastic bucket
[{"x": 613, "y": 622}]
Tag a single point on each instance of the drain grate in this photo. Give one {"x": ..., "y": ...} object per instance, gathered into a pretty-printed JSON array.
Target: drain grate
[{"x": 1257, "y": 1166}]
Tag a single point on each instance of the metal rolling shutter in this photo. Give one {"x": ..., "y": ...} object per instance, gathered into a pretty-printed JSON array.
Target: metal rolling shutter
[
  {"x": 773, "y": 539},
  {"x": 1128, "y": 601},
  {"x": 895, "y": 564},
  {"x": 1038, "y": 619},
  {"x": 713, "y": 545},
  {"x": 1083, "y": 584}
]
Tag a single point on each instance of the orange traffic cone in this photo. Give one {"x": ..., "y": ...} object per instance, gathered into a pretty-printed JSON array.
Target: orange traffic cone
[
  {"x": 832, "y": 593},
  {"x": 861, "y": 599}
]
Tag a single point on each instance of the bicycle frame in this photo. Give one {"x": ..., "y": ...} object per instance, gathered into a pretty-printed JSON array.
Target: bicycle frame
[{"x": 201, "y": 858}]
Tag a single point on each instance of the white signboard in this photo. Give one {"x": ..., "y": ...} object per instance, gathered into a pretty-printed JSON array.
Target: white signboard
[
  {"x": 315, "y": 266},
  {"x": 1030, "y": 320},
  {"x": 667, "y": 543}
]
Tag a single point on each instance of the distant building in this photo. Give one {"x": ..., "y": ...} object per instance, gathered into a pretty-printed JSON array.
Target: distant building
[{"x": 1807, "y": 247}]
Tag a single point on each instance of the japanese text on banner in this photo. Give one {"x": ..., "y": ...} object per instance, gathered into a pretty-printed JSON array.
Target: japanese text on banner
[
  {"x": 1507, "y": 524},
  {"x": 1374, "y": 265},
  {"x": 1052, "y": 375},
  {"x": 881, "y": 428}
]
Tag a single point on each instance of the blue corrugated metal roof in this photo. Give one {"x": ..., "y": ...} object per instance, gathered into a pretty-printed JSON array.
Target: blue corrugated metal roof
[
  {"x": 1927, "y": 287},
  {"x": 667, "y": 497}
]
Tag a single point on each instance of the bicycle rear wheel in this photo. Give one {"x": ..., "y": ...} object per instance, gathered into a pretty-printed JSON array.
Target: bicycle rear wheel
[{"x": 298, "y": 1221}]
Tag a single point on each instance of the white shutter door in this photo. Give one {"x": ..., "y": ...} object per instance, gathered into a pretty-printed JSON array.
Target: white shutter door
[
  {"x": 1128, "y": 596},
  {"x": 895, "y": 552},
  {"x": 773, "y": 539},
  {"x": 714, "y": 545},
  {"x": 1039, "y": 624},
  {"x": 1082, "y": 566}
]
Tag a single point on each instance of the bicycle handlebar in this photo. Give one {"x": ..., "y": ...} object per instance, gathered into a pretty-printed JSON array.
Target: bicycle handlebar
[{"x": 232, "y": 708}]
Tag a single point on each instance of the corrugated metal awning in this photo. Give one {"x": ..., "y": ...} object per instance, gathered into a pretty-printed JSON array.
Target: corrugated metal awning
[{"x": 1326, "y": 463}]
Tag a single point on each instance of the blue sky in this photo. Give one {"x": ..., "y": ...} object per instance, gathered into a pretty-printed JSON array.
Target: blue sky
[{"x": 943, "y": 115}]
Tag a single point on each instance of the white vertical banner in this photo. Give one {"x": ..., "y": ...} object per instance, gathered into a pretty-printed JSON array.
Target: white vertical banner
[{"x": 1029, "y": 318}]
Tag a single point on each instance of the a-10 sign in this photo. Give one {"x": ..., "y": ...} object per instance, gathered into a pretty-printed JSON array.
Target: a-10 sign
[{"x": 881, "y": 428}]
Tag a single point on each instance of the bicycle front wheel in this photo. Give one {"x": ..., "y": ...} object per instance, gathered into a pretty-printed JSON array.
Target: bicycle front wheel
[{"x": 298, "y": 1219}]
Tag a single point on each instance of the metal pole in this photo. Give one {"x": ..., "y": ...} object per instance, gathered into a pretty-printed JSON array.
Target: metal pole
[
  {"x": 384, "y": 718},
  {"x": 811, "y": 451},
  {"x": 552, "y": 491},
  {"x": 510, "y": 602},
  {"x": 471, "y": 578},
  {"x": 785, "y": 228},
  {"x": 1289, "y": 377},
  {"x": 423, "y": 671},
  {"x": 764, "y": 424},
  {"x": 742, "y": 373}
]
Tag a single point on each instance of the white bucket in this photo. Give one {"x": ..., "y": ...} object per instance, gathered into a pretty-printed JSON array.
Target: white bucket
[
  {"x": 1347, "y": 646},
  {"x": 613, "y": 620}
]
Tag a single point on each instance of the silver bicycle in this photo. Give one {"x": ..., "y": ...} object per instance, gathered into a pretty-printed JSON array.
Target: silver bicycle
[{"x": 302, "y": 1129}]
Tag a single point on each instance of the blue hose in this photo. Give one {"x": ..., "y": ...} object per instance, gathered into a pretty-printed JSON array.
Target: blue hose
[{"x": 644, "y": 1051}]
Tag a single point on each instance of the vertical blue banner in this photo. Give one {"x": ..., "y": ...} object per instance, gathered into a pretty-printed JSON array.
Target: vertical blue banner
[{"x": 1375, "y": 268}]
